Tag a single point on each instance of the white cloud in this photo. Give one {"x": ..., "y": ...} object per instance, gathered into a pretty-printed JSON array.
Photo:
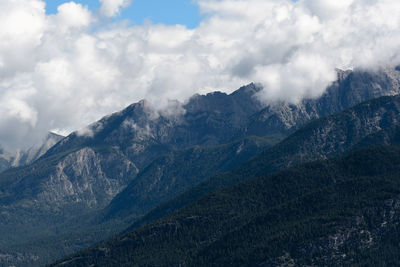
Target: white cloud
[
  {"x": 66, "y": 70},
  {"x": 328, "y": 9},
  {"x": 111, "y": 8},
  {"x": 71, "y": 15},
  {"x": 22, "y": 27}
]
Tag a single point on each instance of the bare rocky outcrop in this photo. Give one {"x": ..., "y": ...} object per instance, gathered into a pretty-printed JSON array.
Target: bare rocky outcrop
[{"x": 84, "y": 177}]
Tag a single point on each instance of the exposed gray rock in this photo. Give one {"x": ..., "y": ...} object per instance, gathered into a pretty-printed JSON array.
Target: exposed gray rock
[{"x": 84, "y": 177}]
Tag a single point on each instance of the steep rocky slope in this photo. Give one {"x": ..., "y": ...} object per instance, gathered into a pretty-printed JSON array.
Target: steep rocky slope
[{"x": 173, "y": 173}]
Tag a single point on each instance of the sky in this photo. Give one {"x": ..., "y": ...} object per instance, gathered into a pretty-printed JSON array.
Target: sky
[
  {"x": 67, "y": 64},
  {"x": 168, "y": 12}
]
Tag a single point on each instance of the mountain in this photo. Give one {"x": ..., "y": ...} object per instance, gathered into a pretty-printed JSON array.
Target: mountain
[
  {"x": 139, "y": 134},
  {"x": 25, "y": 157},
  {"x": 84, "y": 175},
  {"x": 324, "y": 138},
  {"x": 61, "y": 193},
  {"x": 350, "y": 88},
  {"x": 142, "y": 133},
  {"x": 333, "y": 212},
  {"x": 107, "y": 155}
]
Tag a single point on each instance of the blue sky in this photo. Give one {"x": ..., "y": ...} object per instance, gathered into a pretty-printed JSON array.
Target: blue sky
[{"x": 158, "y": 11}]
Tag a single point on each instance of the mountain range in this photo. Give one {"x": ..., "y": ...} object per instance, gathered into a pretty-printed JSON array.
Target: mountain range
[{"x": 196, "y": 162}]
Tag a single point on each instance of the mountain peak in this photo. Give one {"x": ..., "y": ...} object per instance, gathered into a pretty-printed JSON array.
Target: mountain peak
[
  {"x": 36, "y": 151},
  {"x": 249, "y": 90},
  {"x": 343, "y": 74},
  {"x": 52, "y": 135}
]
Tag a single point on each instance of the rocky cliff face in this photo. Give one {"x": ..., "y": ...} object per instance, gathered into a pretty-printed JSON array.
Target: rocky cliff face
[{"x": 87, "y": 177}]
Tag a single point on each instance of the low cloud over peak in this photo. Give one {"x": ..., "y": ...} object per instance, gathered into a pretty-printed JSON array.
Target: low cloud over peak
[{"x": 66, "y": 70}]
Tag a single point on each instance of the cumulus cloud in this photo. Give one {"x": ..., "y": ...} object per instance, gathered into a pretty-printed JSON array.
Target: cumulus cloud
[
  {"x": 66, "y": 70},
  {"x": 71, "y": 15},
  {"x": 111, "y": 8}
]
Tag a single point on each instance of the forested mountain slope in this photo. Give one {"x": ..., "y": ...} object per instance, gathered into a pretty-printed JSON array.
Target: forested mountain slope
[{"x": 334, "y": 212}]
